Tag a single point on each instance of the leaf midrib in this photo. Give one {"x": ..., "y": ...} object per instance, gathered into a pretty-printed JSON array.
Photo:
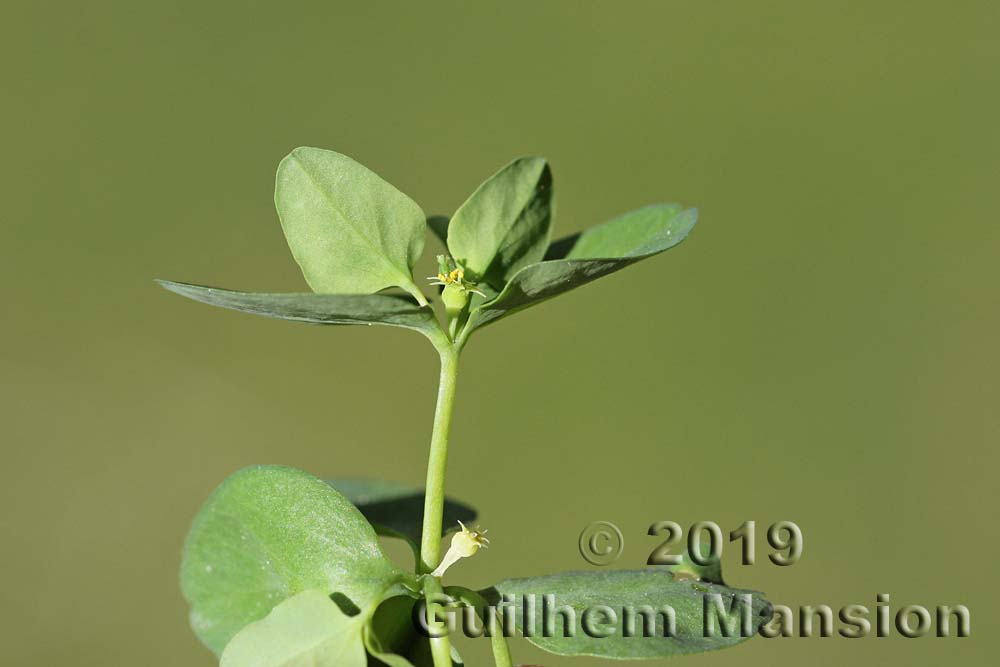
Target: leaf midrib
[{"x": 372, "y": 245}]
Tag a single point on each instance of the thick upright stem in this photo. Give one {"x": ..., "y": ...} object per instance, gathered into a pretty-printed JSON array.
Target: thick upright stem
[{"x": 430, "y": 538}]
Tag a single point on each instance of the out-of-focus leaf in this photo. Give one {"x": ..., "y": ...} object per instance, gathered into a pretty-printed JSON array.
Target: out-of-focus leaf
[
  {"x": 390, "y": 634},
  {"x": 268, "y": 533},
  {"x": 398, "y": 510},
  {"x": 306, "y": 629},
  {"x": 393, "y": 639},
  {"x": 645, "y": 597}
]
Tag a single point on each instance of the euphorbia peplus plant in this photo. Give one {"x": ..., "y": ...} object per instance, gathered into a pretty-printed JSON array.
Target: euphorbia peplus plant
[{"x": 281, "y": 568}]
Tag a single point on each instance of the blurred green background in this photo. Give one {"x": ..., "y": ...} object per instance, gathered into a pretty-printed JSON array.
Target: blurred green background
[{"x": 822, "y": 349}]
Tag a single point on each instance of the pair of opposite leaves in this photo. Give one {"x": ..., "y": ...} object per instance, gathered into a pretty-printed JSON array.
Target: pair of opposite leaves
[
  {"x": 353, "y": 234},
  {"x": 282, "y": 569}
]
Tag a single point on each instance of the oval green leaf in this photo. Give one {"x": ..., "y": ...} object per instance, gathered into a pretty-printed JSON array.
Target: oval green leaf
[
  {"x": 505, "y": 224},
  {"x": 306, "y": 629},
  {"x": 268, "y": 533},
  {"x": 579, "y": 259},
  {"x": 388, "y": 309},
  {"x": 350, "y": 231},
  {"x": 643, "y": 602}
]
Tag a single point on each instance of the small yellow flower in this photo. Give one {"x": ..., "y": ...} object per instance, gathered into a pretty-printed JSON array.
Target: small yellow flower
[
  {"x": 464, "y": 544},
  {"x": 449, "y": 276}
]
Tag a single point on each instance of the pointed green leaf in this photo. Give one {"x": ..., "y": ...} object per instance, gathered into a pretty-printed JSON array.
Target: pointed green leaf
[
  {"x": 349, "y": 230},
  {"x": 639, "y": 233},
  {"x": 398, "y": 510},
  {"x": 505, "y": 224},
  {"x": 270, "y": 532},
  {"x": 388, "y": 309},
  {"x": 624, "y": 614},
  {"x": 306, "y": 629},
  {"x": 579, "y": 259}
]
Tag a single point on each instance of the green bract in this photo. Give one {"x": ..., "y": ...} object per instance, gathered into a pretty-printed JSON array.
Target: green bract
[{"x": 282, "y": 569}]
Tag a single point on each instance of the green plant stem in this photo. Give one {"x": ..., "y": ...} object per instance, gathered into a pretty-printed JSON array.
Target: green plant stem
[
  {"x": 501, "y": 653},
  {"x": 498, "y": 642},
  {"x": 440, "y": 646},
  {"x": 430, "y": 537},
  {"x": 441, "y": 651}
]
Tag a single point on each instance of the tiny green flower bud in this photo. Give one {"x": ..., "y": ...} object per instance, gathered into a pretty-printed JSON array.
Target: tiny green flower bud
[{"x": 455, "y": 299}]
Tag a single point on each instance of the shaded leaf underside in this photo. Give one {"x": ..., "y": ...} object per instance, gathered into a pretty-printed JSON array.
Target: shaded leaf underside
[
  {"x": 582, "y": 258},
  {"x": 505, "y": 224},
  {"x": 631, "y": 592},
  {"x": 398, "y": 510},
  {"x": 385, "y": 309}
]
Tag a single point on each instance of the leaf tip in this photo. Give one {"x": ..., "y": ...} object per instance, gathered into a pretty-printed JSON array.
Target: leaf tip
[{"x": 169, "y": 285}]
